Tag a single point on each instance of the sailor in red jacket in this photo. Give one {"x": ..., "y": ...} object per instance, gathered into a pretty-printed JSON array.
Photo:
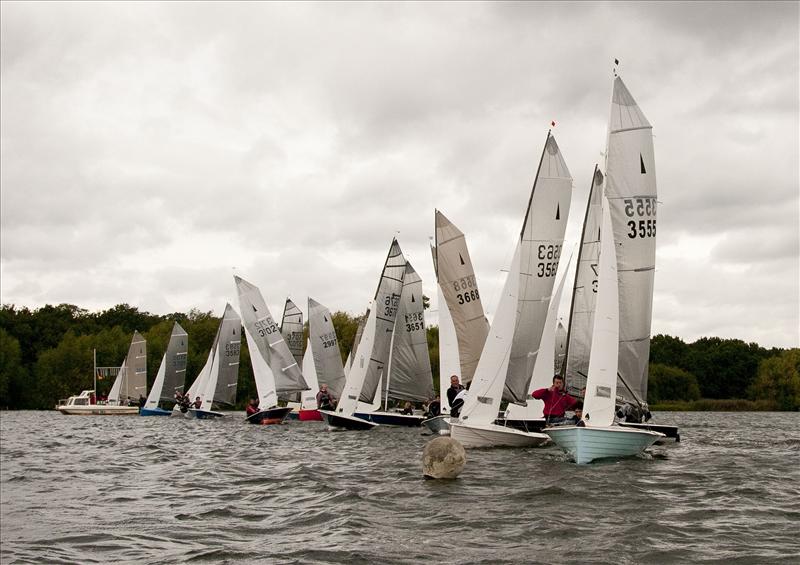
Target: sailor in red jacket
[{"x": 556, "y": 401}]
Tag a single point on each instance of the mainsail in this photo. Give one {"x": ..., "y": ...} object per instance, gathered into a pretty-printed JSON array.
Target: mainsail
[
  {"x": 584, "y": 292},
  {"x": 631, "y": 192},
  {"x": 292, "y": 329},
  {"x": 172, "y": 371},
  {"x": 274, "y": 366},
  {"x": 541, "y": 241},
  {"x": 131, "y": 381},
  {"x": 324, "y": 347},
  {"x": 456, "y": 278},
  {"x": 410, "y": 365}
]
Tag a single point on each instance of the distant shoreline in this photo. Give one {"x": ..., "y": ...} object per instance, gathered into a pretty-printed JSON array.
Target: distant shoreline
[{"x": 717, "y": 405}]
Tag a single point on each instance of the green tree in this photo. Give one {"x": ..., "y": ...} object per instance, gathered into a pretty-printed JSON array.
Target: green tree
[
  {"x": 779, "y": 380},
  {"x": 724, "y": 368},
  {"x": 668, "y": 350},
  {"x": 12, "y": 373},
  {"x": 671, "y": 383},
  {"x": 433, "y": 353}
]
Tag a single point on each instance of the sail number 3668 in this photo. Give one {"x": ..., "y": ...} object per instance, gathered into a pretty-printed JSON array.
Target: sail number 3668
[{"x": 466, "y": 289}]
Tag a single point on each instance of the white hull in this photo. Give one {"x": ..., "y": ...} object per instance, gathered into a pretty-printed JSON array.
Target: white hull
[
  {"x": 98, "y": 410},
  {"x": 492, "y": 435},
  {"x": 439, "y": 424},
  {"x": 586, "y": 444}
]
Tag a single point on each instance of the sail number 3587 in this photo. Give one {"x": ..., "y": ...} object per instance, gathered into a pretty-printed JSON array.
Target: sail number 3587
[{"x": 548, "y": 256}]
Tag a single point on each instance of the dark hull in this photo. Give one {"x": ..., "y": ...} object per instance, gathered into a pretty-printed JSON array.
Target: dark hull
[
  {"x": 342, "y": 422},
  {"x": 271, "y": 416},
  {"x": 391, "y": 419},
  {"x": 204, "y": 414}
]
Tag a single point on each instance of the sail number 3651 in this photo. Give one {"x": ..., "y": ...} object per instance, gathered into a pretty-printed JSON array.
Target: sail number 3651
[{"x": 643, "y": 208}]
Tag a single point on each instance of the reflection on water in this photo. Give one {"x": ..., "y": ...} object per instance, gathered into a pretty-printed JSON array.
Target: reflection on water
[{"x": 157, "y": 490}]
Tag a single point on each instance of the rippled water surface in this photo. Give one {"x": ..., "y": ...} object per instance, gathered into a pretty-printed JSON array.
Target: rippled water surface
[{"x": 108, "y": 489}]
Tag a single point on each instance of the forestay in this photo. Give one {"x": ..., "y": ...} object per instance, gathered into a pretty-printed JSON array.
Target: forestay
[
  {"x": 601, "y": 384},
  {"x": 409, "y": 372},
  {"x": 631, "y": 191},
  {"x": 584, "y": 292},
  {"x": 542, "y": 238},
  {"x": 384, "y": 307},
  {"x": 456, "y": 278},
  {"x": 274, "y": 366}
]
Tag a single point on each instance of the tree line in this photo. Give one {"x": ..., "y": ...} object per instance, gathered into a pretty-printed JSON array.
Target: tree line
[{"x": 46, "y": 356}]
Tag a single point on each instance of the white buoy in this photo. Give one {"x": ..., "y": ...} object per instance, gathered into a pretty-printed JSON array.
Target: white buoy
[{"x": 443, "y": 458}]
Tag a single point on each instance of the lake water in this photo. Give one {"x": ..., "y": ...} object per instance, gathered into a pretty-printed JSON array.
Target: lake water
[{"x": 167, "y": 490}]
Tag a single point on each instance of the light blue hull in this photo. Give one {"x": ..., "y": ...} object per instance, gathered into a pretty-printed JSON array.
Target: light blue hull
[
  {"x": 154, "y": 412},
  {"x": 586, "y": 444}
]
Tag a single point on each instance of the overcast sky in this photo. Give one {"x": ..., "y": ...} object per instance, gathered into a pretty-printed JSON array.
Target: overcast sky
[{"x": 149, "y": 149}]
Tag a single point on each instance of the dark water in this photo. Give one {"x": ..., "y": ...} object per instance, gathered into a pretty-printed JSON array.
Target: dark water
[{"x": 163, "y": 490}]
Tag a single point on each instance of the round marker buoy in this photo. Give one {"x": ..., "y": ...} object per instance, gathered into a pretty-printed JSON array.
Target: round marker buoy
[{"x": 443, "y": 458}]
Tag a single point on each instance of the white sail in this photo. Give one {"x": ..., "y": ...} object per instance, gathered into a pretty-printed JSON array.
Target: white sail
[
  {"x": 268, "y": 343},
  {"x": 456, "y": 277},
  {"x": 485, "y": 393},
  {"x": 545, "y": 359},
  {"x": 173, "y": 363},
  {"x": 542, "y": 239},
  {"x": 348, "y": 401},
  {"x": 202, "y": 377},
  {"x": 561, "y": 348},
  {"x": 409, "y": 374},
  {"x": 449, "y": 363},
  {"x": 601, "y": 384},
  {"x": 324, "y": 343},
  {"x": 584, "y": 291},
  {"x": 113, "y": 395},
  {"x": 384, "y": 307},
  {"x": 356, "y": 340},
  {"x": 292, "y": 330},
  {"x": 308, "y": 398},
  {"x": 220, "y": 385},
  {"x": 631, "y": 192}
]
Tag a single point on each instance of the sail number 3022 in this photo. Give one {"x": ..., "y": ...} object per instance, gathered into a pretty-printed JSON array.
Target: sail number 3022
[{"x": 644, "y": 208}]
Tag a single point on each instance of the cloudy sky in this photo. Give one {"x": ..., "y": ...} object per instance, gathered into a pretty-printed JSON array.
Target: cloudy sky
[{"x": 149, "y": 149}]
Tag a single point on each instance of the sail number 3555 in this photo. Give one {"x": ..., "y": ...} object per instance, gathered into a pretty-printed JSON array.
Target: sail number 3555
[{"x": 644, "y": 208}]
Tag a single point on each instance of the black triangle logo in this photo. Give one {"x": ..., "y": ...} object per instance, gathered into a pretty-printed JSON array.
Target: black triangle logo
[
  {"x": 641, "y": 160},
  {"x": 254, "y": 309},
  {"x": 325, "y": 318},
  {"x": 234, "y": 331},
  {"x": 460, "y": 257},
  {"x": 412, "y": 298},
  {"x": 558, "y": 211}
]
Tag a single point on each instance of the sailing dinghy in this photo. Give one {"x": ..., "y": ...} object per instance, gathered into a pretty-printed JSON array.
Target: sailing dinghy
[
  {"x": 408, "y": 377},
  {"x": 274, "y": 366},
  {"x": 462, "y": 323},
  {"x": 508, "y": 359},
  {"x": 216, "y": 383},
  {"x": 322, "y": 362},
  {"x": 171, "y": 374},
  {"x": 596, "y": 436},
  {"x": 369, "y": 363}
]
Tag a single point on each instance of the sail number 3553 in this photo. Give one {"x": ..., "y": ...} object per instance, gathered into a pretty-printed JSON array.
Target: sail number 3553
[{"x": 644, "y": 208}]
